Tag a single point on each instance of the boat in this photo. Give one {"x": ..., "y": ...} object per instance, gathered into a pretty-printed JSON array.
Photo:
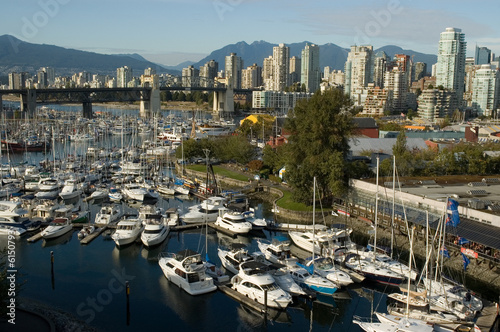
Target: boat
[
  {"x": 373, "y": 271},
  {"x": 206, "y": 211},
  {"x": 312, "y": 281},
  {"x": 127, "y": 231},
  {"x": 16, "y": 231},
  {"x": 136, "y": 192},
  {"x": 330, "y": 242},
  {"x": 255, "y": 282},
  {"x": 277, "y": 250},
  {"x": 233, "y": 221},
  {"x": 156, "y": 230},
  {"x": 115, "y": 194},
  {"x": 325, "y": 267},
  {"x": 56, "y": 228},
  {"x": 24, "y": 146},
  {"x": 186, "y": 270},
  {"x": 109, "y": 214},
  {"x": 86, "y": 231},
  {"x": 166, "y": 189},
  {"x": 389, "y": 323},
  {"x": 48, "y": 188},
  {"x": 70, "y": 189},
  {"x": 232, "y": 258}
]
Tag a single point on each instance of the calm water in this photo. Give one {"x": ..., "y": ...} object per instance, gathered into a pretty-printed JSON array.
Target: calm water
[{"x": 89, "y": 283}]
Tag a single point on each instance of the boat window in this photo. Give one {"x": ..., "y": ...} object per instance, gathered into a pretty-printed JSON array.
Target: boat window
[{"x": 193, "y": 277}]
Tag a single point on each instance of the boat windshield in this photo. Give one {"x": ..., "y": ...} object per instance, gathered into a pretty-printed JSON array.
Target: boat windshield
[{"x": 270, "y": 287}]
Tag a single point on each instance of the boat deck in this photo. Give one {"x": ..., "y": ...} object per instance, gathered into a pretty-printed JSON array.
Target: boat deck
[{"x": 488, "y": 316}]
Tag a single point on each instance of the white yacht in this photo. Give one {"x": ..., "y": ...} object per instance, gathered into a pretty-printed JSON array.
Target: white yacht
[
  {"x": 127, "y": 231},
  {"x": 156, "y": 230},
  {"x": 186, "y": 270},
  {"x": 71, "y": 189},
  {"x": 206, "y": 211},
  {"x": 232, "y": 258},
  {"x": 312, "y": 281},
  {"x": 136, "y": 192},
  {"x": 233, "y": 221},
  {"x": 373, "y": 270},
  {"x": 48, "y": 188},
  {"x": 109, "y": 214},
  {"x": 56, "y": 228},
  {"x": 12, "y": 230},
  {"x": 253, "y": 280},
  {"x": 277, "y": 250},
  {"x": 325, "y": 267}
]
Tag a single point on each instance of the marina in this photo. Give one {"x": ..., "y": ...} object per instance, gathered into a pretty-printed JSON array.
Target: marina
[{"x": 89, "y": 277}]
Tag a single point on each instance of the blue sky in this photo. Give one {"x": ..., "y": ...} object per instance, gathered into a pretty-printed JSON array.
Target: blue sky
[{"x": 172, "y": 31}]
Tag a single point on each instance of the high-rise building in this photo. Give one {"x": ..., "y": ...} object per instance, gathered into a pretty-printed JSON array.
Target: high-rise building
[
  {"x": 434, "y": 104},
  {"x": 208, "y": 72},
  {"x": 396, "y": 83},
  {"x": 379, "y": 68},
  {"x": 482, "y": 56},
  {"x": 358, "y": 70},
  {"x": 123, "y": 76},
  {"x": 419, "y": 71},
  {"x": 17, "y": 80},
  {"x": 251, "y": 77},
  {"x": 42, "y": 79},
  {"x": 233, "y": 67},
  {"x": 190, "y": 76},
  {"x": 295, "y": 69},
  {"x": 267, "y": 73},
  {"x": 378, "y": 101},
  {"x": 281, "y": 67},
  {"x": 310, "y": 74},
  {"x": 450, "y": 69},
  {"x": 485, "y": 90},
  {"x": 51, "y": 75}
]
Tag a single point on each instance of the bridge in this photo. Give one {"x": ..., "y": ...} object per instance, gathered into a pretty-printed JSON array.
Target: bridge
[{"x": 149, "y": 97}]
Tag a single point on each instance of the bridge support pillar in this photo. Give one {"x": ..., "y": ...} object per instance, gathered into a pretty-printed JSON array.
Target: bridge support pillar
[
  {"x": 28, "y": 102},
  {"x": 224, "y": 101},
  {"x": 151, "y": 105},
  {"x": 87, "y": 109}
]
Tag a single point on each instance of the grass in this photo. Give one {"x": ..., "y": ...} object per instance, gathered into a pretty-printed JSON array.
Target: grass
[
  {"x": 220, "y": 171},
  {"x": 286, "y": 202}
]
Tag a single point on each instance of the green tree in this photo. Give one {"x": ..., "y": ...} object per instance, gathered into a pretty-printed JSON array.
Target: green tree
[
  {"x": 318, "y": 146},
  {"x": 403, "y": 156}
]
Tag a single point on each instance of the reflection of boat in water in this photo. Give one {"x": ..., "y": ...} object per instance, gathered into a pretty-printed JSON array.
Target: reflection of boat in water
[
  {"x": 63, "y": 239},
  {"x": 252, "y": 320},
  {"x": 226, "y": 240},
  {"x": 188, "y": 308}
]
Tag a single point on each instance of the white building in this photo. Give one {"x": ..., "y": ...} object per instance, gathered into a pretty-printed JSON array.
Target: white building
[
  {"x": 358, "y": 71},
  {"x": 450, "y": 69},
  {"x": 281, "y": 67},
  {"x": 278, "y": 101},
  {"x": 233, "y": 67},
  {"x": 485, "y": 90},
  {"x": 123, "y": 76}
]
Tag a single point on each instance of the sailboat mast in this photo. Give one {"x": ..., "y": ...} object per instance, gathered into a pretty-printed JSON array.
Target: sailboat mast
[
  {"x": 393, "y": 201},
  {"x": 376, "y": 215},
  {"x": 314, "y": 213}
]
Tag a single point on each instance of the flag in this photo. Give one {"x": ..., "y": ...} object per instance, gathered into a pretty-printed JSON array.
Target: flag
[
  {"x": 444, "y": 252},
  {"x": 466, "y": 261},
  {"x": 462, "y": 240},
  {"x": 452, "y": 219}
]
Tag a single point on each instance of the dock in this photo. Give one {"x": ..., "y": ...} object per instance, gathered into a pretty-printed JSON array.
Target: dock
[
  {"x": 223, "y": 230},
  {"x": 488, "y": 316},
  {"x": 242, "y": 299},
  {"x": 35, "y": 237},
  {"x": 89, "y": 238},
  {"x": 187, "y": 226}
]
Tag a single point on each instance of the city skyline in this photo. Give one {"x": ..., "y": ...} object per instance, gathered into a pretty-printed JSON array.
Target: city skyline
[{"x": 170, "y": 32}]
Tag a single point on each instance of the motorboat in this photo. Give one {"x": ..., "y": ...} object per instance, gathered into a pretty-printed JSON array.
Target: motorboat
[
  {"x": 254, "y": 281},
  {"x": 233, "y": 221},
  {"x": 86, "y": 231},
  {"x": 115, "y": 194},
  {"x": 391, "y": 323},
  {"x": 206, "y": 211},
  {"x": 312, "y": 281},
  {"x": 329, "y": 242},
  {"x": 257, "y": 223},
  {"x": 284, "y": 279},
  {"x": 48, "y": 188},
  {"x": 186, "y": 270},
  {"x": 136, "y": 192},
  {"x": 56, "y": 228},
  {"x": 277, "y": 250},
  {"x": 325, "y": 267},
  {"x": 156, "y": 230},
  {"x": 127, "y": 231},
  {"x": 71, "y": 189},
  {"x": 16, "y": 231},
  {"x": 166, "y": 189},
  {"x": 232, "y": 258},
  {"x": 109, "y": 214}
]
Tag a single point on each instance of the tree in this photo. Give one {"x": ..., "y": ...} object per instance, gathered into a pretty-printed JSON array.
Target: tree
[{"x": 318, "y": 146}]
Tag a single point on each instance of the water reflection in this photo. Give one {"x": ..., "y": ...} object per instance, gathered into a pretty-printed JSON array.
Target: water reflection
[{"x": 63, "y": 239}]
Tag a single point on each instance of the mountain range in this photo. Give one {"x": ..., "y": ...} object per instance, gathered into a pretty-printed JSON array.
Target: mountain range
[{"x": 17, "y": 55}]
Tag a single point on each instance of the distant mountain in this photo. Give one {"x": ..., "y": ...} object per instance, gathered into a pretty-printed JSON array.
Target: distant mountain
[
  {"x": 181, "y": 65},
  {"x": 17, "y": 55},
  {"x": 329, "y": 55},
  {"x": 391, "y": 50}
]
